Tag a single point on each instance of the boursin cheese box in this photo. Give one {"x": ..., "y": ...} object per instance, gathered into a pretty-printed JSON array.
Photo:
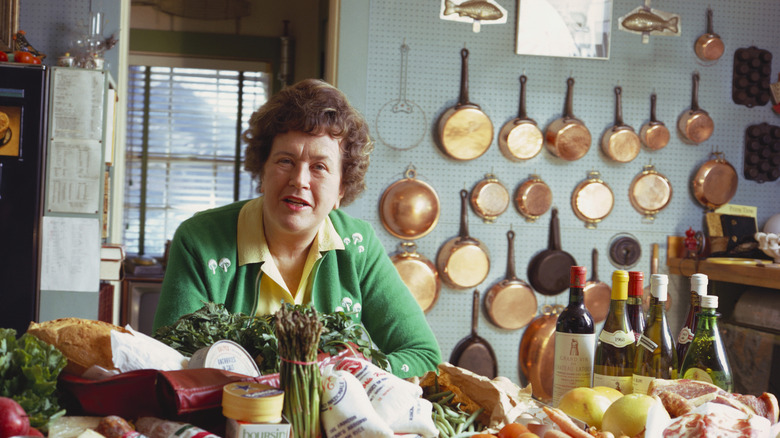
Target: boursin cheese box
[{"x": 225, "y": 355}]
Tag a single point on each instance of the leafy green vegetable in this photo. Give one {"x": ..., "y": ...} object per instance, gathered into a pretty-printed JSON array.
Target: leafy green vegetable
[
  {"x": 29, "y": 369},
  {"x": 213, "y": 322}
]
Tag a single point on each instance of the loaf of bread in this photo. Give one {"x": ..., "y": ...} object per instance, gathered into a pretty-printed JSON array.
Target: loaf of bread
[{"x": 84, "y": 342}]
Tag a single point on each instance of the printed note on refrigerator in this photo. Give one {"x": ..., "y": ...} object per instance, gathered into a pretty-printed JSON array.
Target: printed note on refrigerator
[
  {"x": 74, "y": 176},
  {"x": 70, "y": 257}
]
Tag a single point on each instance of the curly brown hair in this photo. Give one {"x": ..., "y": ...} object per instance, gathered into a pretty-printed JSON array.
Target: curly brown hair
[{"x": 312, "y": 106}]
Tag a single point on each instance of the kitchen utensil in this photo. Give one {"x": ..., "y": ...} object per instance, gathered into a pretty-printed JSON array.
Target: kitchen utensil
[
  {"x": 489, "y": 198},
  {"x": 624, "y": 251},
  {"x": 533, "y": 198},
  {"x": 537, "y": 353},
  {"x": 568, "y": 137},
  {"x": 473, "y": 352},
  {"x": 409, "y": 208},
  {"x": 620, "y": 142},
  {"x": 649, "y": 192},
  {"x": 592, "y": 200},
  {"x": 709, "y": 47},
  {"x": 695, "y": 125},
  {"x": 548, "y": 270},
  {"x": 654, "y": 134},
  {"x": 597, "y": 293},
  {"x": 464, "y": 130},
  {"x": 520, "y": 138},
  {"x": 510, "y": 303},
  {"x": 715, "y": 182},
  {"x": 401, "y": 123},
  {"x": 463, "y": 261},
  {"x": 419, "y": 274}
]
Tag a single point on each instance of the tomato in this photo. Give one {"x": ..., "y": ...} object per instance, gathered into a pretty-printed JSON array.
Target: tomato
[
  {"x": 36, "y": 60},
  {"x": 23, "y": 57},
  {"x": 3, "y": 57},
  {"x": 512, "y": 430},
  {"x": 483, "y": 435}
]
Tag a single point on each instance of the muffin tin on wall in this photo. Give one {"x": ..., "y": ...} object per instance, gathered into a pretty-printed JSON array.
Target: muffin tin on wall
[{"x": 664, "y": 65}]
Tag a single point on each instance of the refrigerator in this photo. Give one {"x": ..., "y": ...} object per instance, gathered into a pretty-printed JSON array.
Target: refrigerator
[{"x": 23, "y": 114}]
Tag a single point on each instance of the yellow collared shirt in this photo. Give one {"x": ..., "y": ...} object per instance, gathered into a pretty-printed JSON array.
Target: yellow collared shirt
[{"x": 253, "y": 248}]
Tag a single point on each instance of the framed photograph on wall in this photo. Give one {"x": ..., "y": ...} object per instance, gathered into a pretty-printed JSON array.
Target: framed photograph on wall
[
  {"x": 9, "y": 23},
  {"x": 564, "y": 28}
]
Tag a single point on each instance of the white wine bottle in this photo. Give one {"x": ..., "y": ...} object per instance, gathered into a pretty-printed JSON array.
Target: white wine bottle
[
  {"x": 613, "y": 365},
  {"x": 656, "y": 357},
  {"x": 706, "y": 359}
]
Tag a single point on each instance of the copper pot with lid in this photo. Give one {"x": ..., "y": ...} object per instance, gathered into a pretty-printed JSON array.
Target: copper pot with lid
[
  {"x": 620, "y": 142},
  {"x": 568, "y": 137},
  {"x": 649, "y": 192},
  {"x": 592, "y": 200},
  {"x": 715, "y": 182},
  {"x": 409, "y": 208},
  {"x": 489, "y": 198},
  {"x": 533, "y": 198},
  {"x": 463, "y": 261},
  {"x": 419, "y": 274}
]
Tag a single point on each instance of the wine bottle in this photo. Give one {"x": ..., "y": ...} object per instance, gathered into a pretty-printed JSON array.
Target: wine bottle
[
  {"x": 636, "y": 315},
  {"x": 613, "y": 365},
  {"x": 656, "y": 357},
  {"x": 698, "y": 290},
  {"x": 706, "y": 359},
  {"x": 575, "y": 340}
]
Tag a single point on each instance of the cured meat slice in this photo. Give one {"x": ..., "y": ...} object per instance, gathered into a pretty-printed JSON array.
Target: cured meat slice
[
  {"x": 694, "y": 391},
  {"x": 764, "y": 405},
  {"x": 675, "y": 404}
]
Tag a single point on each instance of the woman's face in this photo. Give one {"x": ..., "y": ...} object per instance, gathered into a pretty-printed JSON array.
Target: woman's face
[{"x": 301, "y": 183}]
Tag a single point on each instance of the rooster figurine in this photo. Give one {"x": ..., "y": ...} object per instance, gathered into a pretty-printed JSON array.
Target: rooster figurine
[{"x": 21, "y": 44}]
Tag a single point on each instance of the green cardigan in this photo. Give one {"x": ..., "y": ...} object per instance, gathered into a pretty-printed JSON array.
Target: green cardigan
[{"x": 360, "y": 278}]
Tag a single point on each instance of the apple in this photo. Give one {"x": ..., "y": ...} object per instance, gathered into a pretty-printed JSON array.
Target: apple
[
  {"x": 585, "y": 404},
  {"x": 13, "y": 419},
  {"x": 628, "y": 415},
  {"x": 34, "y": 432}
]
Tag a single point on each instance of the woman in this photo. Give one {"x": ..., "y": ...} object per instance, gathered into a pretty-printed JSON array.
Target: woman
[{"x": 309, "y": 151}]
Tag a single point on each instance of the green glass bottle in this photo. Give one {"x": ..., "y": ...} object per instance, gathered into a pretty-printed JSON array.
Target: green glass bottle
[
  {"x": 656, "y": 357},
  {"x": 706, "y": 359},
  {"x": 613, "y": 365}
]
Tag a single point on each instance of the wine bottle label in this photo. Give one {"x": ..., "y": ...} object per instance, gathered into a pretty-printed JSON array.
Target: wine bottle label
[
  {"x": 697, "y": 374},
  {"x": 686, "y": 336},
  {"x": 618, "y": 338},
  {"x": 641, "y": 383},
  {"x": 574, "y": 353},
  {"x": 623, "y": 384},
  {"x": 648, "y": 343}
]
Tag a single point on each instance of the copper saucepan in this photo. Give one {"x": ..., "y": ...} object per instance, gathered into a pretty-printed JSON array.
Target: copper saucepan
[
  {"x": 419, "y": 274},
  {"x": 464, "y": 131},
  {"x": 654, "y": 134},
  {"x": 592, "y": 200},
  {"x": 709, "y": 47},
  {"x": 489, "y": 198},
  {"x": 695, "y": 125},
  {"x": 649, "y": 192},
  {"x": 520, "y": 138},
  {"x": 597, "y": 293},
  {"x": 536, "y": 354},
  {"x": 715, "y": 182},
  {"x": 409, "y": 208},
  {"x": 533, "y": 198},
  {"x": 463, "y": 261},
  {"x": 510, "y": 303},
  {"x": 568, "y": 137},
  {"x": 620, "y": 142}
]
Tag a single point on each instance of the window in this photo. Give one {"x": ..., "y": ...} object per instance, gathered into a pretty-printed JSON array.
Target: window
[{"x": 184, "y": 152}]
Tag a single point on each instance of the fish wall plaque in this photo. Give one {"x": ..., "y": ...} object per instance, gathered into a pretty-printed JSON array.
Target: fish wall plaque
[
  {"x": 476, "y": 12},
  {"x": 647, "y": 21}
]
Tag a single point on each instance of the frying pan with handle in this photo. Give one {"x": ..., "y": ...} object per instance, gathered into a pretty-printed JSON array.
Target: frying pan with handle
[
  {"x": 463, "y": 261},
  {"x": 473, "y": 352},
  {"x": 520, "y": 138},
  {"x": 548, "y": 270},
  {"x": 654, "y": 134},
  {"x": 510, "y": 303},
  {"x": 568, "y": 137},
  {"x": 620, "y": 142},
  {"x": 709, "y": 47},
  {"x": 695, "y": 124},
  {"x": 597, "y": 293}
]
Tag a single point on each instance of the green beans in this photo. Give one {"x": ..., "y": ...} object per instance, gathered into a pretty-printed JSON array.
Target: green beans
[{"x": 450, "y": 419}]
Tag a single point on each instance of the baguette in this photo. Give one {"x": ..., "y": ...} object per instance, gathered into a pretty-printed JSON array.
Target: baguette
[{"x": 83, "y": 342}]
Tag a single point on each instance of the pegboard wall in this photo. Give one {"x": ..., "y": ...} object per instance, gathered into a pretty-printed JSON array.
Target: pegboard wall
[{"x": 664, "y": 65}]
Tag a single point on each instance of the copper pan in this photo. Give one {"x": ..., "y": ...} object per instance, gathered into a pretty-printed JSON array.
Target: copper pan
[
  {"x": 463, "y": 261},
  {"x": 533, "y": 198},
  {"x": 654, "y": 134},
  {"x": 620, "y": 142},
  {"x": 715, "y": 182},
  {"x": 510, "y": 303},
  {"x": 419, "y": 274},
  {"x": 592, "y": 200},
  {"x": 695, "y": 125},
  {"x": 489, "y": 198},
  {"x": 597, "y": 293},
  {"x": 568, "y": 137},
  {"x": 520, "y": 138},
  {"x": 409, "y": 208},
  {"x": 537, "y": 353},
  {"x": 650, "y": 192},
  {"x": 709, "y": 47},
  {"x": 464, "y": 131}
]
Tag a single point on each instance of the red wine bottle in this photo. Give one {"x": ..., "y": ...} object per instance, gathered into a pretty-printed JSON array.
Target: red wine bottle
[{"x": 636, "y": 315}]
